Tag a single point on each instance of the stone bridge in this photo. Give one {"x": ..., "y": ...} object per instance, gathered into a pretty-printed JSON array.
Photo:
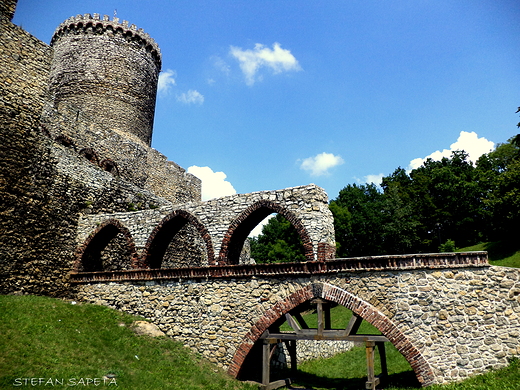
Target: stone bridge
[
  {"x": 450, "y": 315},
  {"x": 183, "y": 267}
]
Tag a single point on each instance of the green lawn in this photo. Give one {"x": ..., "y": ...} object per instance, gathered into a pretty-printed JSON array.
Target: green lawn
[
  {"x": 50, "y": 338},
  {"x": 501, "y": 253}
]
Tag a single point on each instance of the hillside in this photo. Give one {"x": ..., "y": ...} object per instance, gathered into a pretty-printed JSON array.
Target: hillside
[
  {"x": 44, "y": 339},
  {"x": 501, "y": 253}
]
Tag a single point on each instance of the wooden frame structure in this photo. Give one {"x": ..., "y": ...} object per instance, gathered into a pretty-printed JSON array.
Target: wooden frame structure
[{"x": 322, "y": 332}]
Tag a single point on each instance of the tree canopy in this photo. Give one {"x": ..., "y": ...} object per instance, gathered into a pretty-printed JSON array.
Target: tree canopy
[{"x": 435, "y": 207}]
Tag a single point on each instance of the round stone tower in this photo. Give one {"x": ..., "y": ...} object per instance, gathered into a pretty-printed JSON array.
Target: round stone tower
[{"x": 108, "y": 71}]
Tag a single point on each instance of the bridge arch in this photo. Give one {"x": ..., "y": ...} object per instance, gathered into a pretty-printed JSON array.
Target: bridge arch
[
  {"x": 109, "y": 236},
  {"x": 369, "y": 313},
  {"x": 161, "y": 237},
  {"x": 240, "y": 228}
]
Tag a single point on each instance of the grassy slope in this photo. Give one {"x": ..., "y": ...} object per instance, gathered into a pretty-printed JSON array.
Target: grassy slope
[
  {"x": 50, "y": 338},
  {"x": 505, "y": 254}
]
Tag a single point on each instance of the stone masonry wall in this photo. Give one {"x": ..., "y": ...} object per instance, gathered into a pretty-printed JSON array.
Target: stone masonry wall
[
  {"x": 137, "y": 163},
  {"x": 449, "y": 323},
  {"x": 45, "y": 184},
  {"x": 307, "y": 204}
]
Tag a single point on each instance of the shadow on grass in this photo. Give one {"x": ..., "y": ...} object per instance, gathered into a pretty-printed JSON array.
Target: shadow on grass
[
  {"x": 499, "y": 250},
  {"x": 304, "y": 380}
]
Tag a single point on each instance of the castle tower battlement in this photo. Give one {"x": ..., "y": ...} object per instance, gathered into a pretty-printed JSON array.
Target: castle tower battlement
[{"x": 106, "y": 69}]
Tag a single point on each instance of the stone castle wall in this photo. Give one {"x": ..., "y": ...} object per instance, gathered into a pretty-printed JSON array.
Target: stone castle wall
[
  {"x": 50, "y": 173},
  {"x": 134, "y": 162}
]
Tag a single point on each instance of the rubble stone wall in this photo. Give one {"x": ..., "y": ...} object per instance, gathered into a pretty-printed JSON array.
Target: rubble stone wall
[
  {"x": 220, "y": 219},
  {"x": 448, "y": 323}
]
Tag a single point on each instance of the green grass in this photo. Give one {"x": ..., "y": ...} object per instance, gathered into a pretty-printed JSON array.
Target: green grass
[
  {"x": 501, "y": 253},
  {"x": 340, "y": 317},
  {"x": 50, "y": 338}
]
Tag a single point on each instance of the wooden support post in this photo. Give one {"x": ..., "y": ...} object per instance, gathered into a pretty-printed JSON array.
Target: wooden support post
[
  {"x": 291, "y": 347},
  {"x": 321, "y": 324},
  {"x": 382, "y": 358},
  {"x": 372, "y": 380},
  {"x": 266, "y": 367},
  {"x": 266, "y": 364}
]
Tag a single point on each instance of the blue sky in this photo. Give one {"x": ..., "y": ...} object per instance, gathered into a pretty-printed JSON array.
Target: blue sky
[{"x": 261, "y": 95}]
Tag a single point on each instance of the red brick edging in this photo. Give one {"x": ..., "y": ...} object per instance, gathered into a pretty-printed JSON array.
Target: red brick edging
[{"x": 335, "y": 294}]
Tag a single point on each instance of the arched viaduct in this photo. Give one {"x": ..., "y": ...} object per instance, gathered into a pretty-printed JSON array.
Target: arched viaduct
[
  {"x": 220, "y": 226},
  {"x": 450, "y": 315}
]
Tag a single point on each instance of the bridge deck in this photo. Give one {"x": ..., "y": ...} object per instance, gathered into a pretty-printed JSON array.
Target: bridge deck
[{"x": 357, "y": 264}]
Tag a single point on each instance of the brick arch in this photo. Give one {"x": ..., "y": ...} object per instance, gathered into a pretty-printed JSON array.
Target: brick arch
[
  {"x": 100, "y": 238},
  {"x": 335, "y": 294},
  {"x": 247, "y": 220},
  {"x": 159, "y": 239}
]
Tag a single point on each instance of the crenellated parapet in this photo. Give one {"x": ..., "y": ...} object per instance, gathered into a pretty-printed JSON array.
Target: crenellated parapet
[{"x": 94, "y": 24}]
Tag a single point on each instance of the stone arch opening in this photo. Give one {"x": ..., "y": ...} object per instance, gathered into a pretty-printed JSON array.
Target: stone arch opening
[
  {"x": 179, "y": 240},
  {"x": 369, "y": 313},
  {"x": 110, "y": 166},
  {"x": 65, "y": 141},
  {"x": 240, "y": 228},
  {"x": 109, "y": 248},
  {"x": 90, "y": 154}
]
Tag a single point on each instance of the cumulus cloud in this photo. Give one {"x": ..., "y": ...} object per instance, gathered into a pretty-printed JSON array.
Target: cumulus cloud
[
  {"x": 166, "y": 81},
  {"x": 469, "y": 142},
  {"x": 277, "y": 59},
  {"x": 214, "y": 184},
  {"x": 258, "y": 229},
  {"x": 320, "y": 164},
  {"x": 376, "y": 179},
  {"x": 191, "y": 97}
]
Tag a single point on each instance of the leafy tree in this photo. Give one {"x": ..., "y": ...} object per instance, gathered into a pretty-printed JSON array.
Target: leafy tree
[
  {"x": 447, "y": 200},
  {"x": 279, "y": 242},
  {"x": 358, "y": 216},
  {"x": 400, "y": 228},
  {"x": 499, "y": 176}
]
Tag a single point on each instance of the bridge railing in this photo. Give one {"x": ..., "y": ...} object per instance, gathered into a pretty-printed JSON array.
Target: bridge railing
[{"x": 356, "y": 264}]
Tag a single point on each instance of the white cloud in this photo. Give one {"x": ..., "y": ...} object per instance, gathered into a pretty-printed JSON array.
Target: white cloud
[
  {"x": 214, "y": 184},
  {"x": 320, "y": 164},
  {"x": 166, "y": 81},
  {"x": 469, "y": 142},
  {"x": 191, "y": 97},
  {"x": 277, "y": 59},
  {"x": 258, "y": 229},
  {"x": 376, "y": 179},
  {"x": 221, "y": 65}
]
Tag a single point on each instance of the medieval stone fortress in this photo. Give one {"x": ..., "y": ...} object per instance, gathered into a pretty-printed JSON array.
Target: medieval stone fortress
[{"x": 88, "y": 209}]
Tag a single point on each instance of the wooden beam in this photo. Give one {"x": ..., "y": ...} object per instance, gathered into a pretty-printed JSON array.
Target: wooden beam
[
  {"x": 353, "y": 324},
  {"x": 321, "y": 323},
  {"x": 331, "y": 334},
  {"x": 301, "y": 320},
  {"x": 276, "y": 384},
  {"x": 266, "y": 366},
  {"x": 292, "y": 323},
  {"x": 382, "y": 358}
]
